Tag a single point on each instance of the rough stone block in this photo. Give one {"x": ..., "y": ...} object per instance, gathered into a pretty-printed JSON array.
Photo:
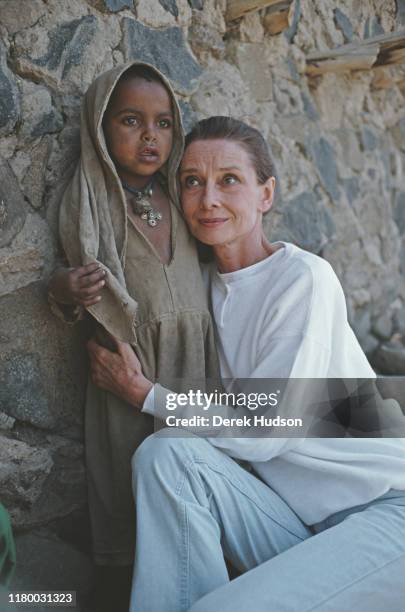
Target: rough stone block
[
  {"x": 9, "y": 96},
  {"x": 205, "y": 39},
  {"x": 309, "y": 107},
  {"x": 382, "y": 327},
  {"x": 166, "y": 49},
  {"x": 369, "y": 140},
  {"x": 170, "y": 6},
  {"x": 309, "y": 222},
  {"x": 66, "y": 55},
  {"x": 12, "y": 206},
  {"x": 198, "y": 5},
  {"x": 344, "y": 24},
  {"x": 188, "y": 116},
  {"x": 222, "y": 91},
  {"x": 399, "y": 212},
  {"x": 290, "y": 32},
  {"x": 352, "y": 188},
  {"x": 323, "y": 156},
  {"x": 38, "y": 352},
  {"x": 362, "y": 324},
  {"x": 23, "y": 472},
  {"x": 253, "y": 65},
  {"x": 21, "y": 390},
  {"x": 118, "y": 5},
  {"x": 390, "y": 359},
  {"x": 401, "y": 12}
]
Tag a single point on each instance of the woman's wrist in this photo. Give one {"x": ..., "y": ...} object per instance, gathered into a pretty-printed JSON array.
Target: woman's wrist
[{"x": 139, "y": 390}]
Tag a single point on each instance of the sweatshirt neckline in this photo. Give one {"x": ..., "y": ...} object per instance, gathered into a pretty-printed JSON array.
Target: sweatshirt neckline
[{"x": 237, "y": 276}]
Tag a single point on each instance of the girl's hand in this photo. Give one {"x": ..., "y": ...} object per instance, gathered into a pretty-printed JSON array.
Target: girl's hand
[
  {"x": 78, "y": 286},
  {"x": 120, "y": 372}
]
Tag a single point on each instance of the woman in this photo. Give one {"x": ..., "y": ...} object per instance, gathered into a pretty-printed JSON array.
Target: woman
[{"x": 324, "y": 526}]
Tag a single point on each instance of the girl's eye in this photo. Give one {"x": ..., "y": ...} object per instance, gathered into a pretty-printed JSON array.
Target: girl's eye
[
  {"x": 191, "y": 181},
  {"x": 230, "y": 179},
  {"x": 130, "y": 121},
  {"x": 165, "y": 123}
]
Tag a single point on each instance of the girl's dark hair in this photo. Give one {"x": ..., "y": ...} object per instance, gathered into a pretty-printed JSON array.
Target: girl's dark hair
[{"x": 251, "y": 140}]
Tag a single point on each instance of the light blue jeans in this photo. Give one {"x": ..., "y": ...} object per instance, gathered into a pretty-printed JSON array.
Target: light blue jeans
[{"x": 195, "y": 505}]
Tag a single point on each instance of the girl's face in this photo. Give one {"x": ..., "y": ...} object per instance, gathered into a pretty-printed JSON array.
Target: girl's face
[
  {"x": 138, "y": 128},
  {"x": 222, "y": 200}
]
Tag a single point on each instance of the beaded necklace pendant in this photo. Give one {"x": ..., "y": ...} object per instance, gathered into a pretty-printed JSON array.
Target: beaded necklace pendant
[{"x": 142, "y": 206}]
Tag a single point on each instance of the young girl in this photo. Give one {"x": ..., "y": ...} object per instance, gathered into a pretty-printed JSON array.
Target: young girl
[{"x": 135, "y": 269}]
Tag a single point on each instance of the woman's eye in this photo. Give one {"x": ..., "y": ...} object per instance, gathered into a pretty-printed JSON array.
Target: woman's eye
[
  {"x": 191, "y": 181},
  {"x": 165, "y": 123},
  {"x": 230, "y": 179}
]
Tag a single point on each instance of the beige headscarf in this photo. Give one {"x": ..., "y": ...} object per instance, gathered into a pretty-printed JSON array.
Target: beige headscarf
[{"x": 93, "y": 220}]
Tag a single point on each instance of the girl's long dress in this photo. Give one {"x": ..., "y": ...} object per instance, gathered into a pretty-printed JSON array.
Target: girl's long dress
[{"x": 175, "y": 347}]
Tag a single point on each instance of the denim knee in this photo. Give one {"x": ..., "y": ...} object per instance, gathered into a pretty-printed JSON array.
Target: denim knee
[{"x": 160, "y": 448}]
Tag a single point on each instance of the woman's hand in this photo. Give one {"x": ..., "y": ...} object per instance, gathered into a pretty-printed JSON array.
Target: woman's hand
[
  {"x": 78, "y": 286},
  {"x": 120, "y": 372}
]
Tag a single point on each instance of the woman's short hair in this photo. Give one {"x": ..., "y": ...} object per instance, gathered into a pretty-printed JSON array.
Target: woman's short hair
[{"x": 249, "y": 138}]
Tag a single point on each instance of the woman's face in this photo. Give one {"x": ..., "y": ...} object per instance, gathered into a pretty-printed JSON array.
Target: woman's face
[{"x": 222, "y": 200}]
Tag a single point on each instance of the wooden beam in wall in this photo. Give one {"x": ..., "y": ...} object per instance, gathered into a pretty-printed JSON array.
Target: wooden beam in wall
[
  {"x": 383, "y": 50},
  {"x": 278, "y": 17},
  {"x": 238, "y": 8}
]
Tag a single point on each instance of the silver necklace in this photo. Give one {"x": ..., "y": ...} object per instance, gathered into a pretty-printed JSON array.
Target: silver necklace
[{"x": 142, "y": 206}]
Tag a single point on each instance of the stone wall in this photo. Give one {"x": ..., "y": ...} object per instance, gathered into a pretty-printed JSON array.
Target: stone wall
[{"x": 338, "y": 143}]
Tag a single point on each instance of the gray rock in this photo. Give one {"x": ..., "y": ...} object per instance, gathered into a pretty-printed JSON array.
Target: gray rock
[
  {"x": 399, "y": 212},
  {"x": 166, "y": 49},
  {"x": 398, "y": 133},
  {"x": 12, "y": 206},
  {"x": 23, "y": 472},
  {"x": 382, "y": 327},
  {"x": 371, "y": 173},
  {"x": 188, "y": 116},
  {"x": 196, "y": 4},
  {"x": 47, "y": 563},
  {"x": 38, "y": 352},
  {"x": 22, "y": 393},
  {"x": 390, "y": 359},
  {"x": 368, "y": 140},
  {"x": 362, "y": 324},
  {"x": 170, "y": 6},
  {"x": 401, "y": 12},
  {"x": 309, "y": 107},
  {"x": 67, "y": 44},
  {"x": 367, "y": 28},
  {"x": 324, "y": 157},
  {"x": 376, "y": 27},
  {"x": 290, "y": 32},
  {"x": 344, "y": 24},
  {"x": 369, "y": 344},
  {"x": 9, "y": 96},
  {"x": 352, "y": 188},
  {"x": 6, "y": 421},
  {"x": 292, "y": 69},
  {"x": 117, "y": 5},
  {"x": 399, "y": 321},
  {"x": 205, "y": 39},
  {"x": 308, "y": 221},
  {"x": 49, "y": 124}
]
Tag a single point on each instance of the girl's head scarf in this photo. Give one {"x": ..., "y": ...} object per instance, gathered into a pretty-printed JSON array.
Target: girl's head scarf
[{"x": 93, "y": 220}]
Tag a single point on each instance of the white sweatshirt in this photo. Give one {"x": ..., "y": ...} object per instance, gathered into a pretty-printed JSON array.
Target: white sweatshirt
[{"x": 285, "y": 317}]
